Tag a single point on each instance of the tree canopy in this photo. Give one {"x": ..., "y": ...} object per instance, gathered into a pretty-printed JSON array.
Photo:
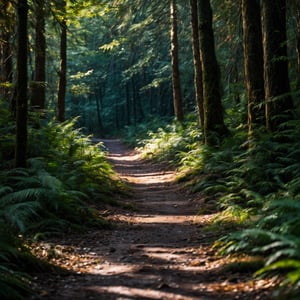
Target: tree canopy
[{"x": 210, "y": 86}]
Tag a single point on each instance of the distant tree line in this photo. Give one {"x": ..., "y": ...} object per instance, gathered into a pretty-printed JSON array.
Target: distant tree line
[{"x": 118, "y": 64}]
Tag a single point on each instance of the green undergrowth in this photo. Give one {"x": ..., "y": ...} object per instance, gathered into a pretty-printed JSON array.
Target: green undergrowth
[
  {"x": 66, "y": 180},
  {"x": 254, "y": 185}
]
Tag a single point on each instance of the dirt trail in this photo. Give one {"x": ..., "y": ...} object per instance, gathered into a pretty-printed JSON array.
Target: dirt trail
[{"x": 158, "y": 250}]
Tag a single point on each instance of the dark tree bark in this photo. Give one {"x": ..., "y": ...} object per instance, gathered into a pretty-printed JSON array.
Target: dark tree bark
[
  {"x": 134, "y": 104},
  {"x": 62, "y": 84},
  {"x": 21, "y": 85},
  {"x": 38, "y": 86},
  {"x": 197, "y": 61},
  {"x": 214, "y": 127},
  {"x": 128, "y": 105},
  {"x": 253, "y": 64},
  {"x": 6, "y": 63},
  {"x": 98, "y": 97},
  {"x": 279, "y": 103},
  {"x": 177, "y": 97},
  {"x": 298, "y": 43}
]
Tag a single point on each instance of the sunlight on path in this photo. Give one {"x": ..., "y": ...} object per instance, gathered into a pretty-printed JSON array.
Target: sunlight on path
[
  {"x": 158, "y": 249},
  {"x": 134, "y": 171}
]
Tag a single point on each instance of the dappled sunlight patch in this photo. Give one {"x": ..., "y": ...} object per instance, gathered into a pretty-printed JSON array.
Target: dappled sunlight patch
[
  {"x": 149, "y": 178},
  {"x": 161, "y": 249},
  {"x": 155, "y": 219},
  {"x": 138, "y": 293},
  {"x": 134, "y": 156}
]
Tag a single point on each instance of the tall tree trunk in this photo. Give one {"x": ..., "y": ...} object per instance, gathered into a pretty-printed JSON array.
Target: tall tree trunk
[
  {"x": 279, "y": 104},
  {"x": 128, "y": 104},
  {"x": 253, "y": 64},
  {"x": 298, "y": 43},
  {"x": 62, "y": 84},
  {"x": 21, "y": 85},
  {"x": 6, "y": 63},
  {"x": 38, "y": 87},
  {"x": 177, "y": 97},
  {"x": 197, "y": 61},
  {"x": 98, "y": 96},
  {"x": 134, "y": 100},
  {"x": 214, "y": 127}
]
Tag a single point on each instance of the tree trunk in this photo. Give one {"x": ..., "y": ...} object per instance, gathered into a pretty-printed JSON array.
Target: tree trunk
[
  {"x": 177, "y": 98},
  {"x": 134, "y": 104},
  {"x": 197, "y": 61},
  {"x": 6, "y": 63},
  {"x": 98, "y": 96},
  {"x": 298, "y": 44},
  {"x": 214, "y": 127},
  {"x": 128, "y": 104},
  {"x": 279, "y": 102},
  {"x": 253, "y": 64},
  {"x": 21, "y": 85},
  {"x": 38, "y": 87},
  {"x": 62, "y": 84}
]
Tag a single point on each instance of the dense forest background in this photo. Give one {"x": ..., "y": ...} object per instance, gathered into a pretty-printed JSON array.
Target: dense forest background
[{"x": 212, "y": 87}]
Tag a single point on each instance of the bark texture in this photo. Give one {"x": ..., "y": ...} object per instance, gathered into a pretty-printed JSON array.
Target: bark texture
[
  {"x": 62, "y": 84},
  {"x": 21, "y": 85},
  {"x": 214, "y": 127},
  {"x": 197, "y": 61},
  {"x": 279, "y": 102},
  {"x": 253, "y": 64},
  {"x": 177, "y": 96},
  {"x": 38, "y": 87}
]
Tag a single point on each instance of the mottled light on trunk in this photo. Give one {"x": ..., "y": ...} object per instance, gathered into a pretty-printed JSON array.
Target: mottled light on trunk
[
  {"x": 214, "y": 127},
  {"x": 253, "y": 64},
  {"x": 197, "y": 61},
  {"x": 177, "y": 98},
  {"x": 62, "y": 84}
]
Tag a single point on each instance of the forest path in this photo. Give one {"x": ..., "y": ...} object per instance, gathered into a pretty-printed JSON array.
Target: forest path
[{"x": 158, "y": 250}]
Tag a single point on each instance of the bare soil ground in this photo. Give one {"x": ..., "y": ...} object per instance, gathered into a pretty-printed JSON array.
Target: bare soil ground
[{"x": 159, "y": 249}]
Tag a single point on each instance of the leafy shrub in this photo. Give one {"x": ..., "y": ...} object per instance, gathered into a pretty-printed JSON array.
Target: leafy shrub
[
  {"x": 14, "y": 284},
  {"x": 172, "y": 142},
  {"x": 256, "y": 184},
  {"x": 276, "y": 233},
  {"x": 67, "y": 175}
]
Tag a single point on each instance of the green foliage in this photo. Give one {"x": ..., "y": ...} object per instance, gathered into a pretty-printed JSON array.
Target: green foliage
[
  {"x": 135, "y": 135},
  {"x": 172, "y": 142},
  {"x": 13, "y": 283},
  {"x": 275, "y": 233},
  {"x": 7, "y": 138},
  {"x": 70, "y": 172},
  {"x": 255, "y": 184},
  {"x": 74, "y": 160},
  {"x": 67, "y": 176}
]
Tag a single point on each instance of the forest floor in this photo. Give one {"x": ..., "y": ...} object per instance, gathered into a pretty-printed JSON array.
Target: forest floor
[{"x": 159, "y": 248}]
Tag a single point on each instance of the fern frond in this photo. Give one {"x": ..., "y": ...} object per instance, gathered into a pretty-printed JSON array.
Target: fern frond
[
  {"x": 20, "y": 214},
  {"x": 291, "y": 266},
  {"x": 13, "y": 285},
  {"x": 23, "y": 195},
  {"x": 5, "y": 190}
]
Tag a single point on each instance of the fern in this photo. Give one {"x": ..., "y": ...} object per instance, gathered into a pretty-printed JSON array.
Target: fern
[
  {"x": 14, "y": 285},
  {"x": 21, "y": 214},
  {"x": 292, "y": 265}
]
